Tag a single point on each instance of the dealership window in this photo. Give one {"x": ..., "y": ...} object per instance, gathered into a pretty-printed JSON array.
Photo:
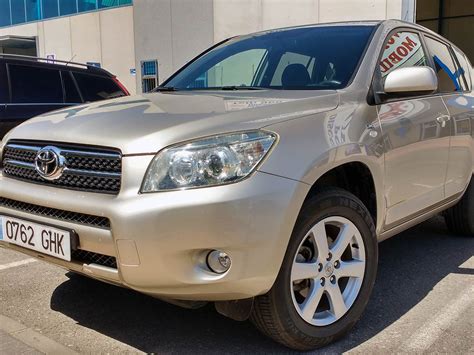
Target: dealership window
[
  {"x": 35, "y": 85},
  {"x": 403, "y": 49},
  {"x": 445, "y": 68},
  {"x": 13, "y": 12},
  {"x": 149, "y": 75}
]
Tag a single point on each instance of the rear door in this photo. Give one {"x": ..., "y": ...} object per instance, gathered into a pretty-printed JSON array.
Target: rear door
[
  {"x": 416, "y": 143},
  {"x": 455, "y": 83},
  {"x": 34, "y": 90}
]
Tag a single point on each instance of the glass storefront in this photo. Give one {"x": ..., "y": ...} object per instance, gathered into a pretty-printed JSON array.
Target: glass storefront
[{"x": 14, "y": 12}]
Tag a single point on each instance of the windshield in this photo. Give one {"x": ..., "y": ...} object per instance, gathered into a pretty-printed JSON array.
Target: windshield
[{"x": 314, "y": 58}]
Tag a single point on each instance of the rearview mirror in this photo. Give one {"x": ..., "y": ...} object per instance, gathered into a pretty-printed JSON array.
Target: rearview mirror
[{"x": 411, "y": 80}]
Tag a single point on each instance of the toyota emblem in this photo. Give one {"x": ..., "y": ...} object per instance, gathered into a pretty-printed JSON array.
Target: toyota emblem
[{"x": 49, "y": 163}]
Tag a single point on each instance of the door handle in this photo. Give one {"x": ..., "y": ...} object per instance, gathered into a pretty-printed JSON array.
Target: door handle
[{"x": 443, "y": 119}]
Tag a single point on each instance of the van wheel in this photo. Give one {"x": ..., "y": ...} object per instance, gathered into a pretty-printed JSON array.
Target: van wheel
[
  {"x": 460, "y": 218},
  {"x": 326, "y": 277}
]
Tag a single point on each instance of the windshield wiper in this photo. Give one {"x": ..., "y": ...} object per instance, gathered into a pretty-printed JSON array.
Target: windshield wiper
[
  {"x": 234, "y": 87},
  {"x": 165, "y": 88}
]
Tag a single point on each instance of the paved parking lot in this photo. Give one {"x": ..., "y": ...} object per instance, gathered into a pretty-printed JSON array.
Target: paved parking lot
[{"x": 423, "y": 302}]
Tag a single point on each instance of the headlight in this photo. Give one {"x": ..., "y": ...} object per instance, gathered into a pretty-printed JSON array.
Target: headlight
[{"x": 207, "y": 162}]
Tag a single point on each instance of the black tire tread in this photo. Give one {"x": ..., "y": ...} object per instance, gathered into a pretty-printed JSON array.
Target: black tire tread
[{"x": 460, "y": 218}]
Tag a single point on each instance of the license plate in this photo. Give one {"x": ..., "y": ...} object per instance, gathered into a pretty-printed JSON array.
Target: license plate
[{"x": 44, "y": 239}]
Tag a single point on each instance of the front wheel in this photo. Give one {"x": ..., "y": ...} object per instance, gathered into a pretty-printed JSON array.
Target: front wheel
[{"x": 326, "y": 277}]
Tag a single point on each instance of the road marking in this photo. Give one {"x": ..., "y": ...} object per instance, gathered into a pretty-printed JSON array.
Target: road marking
[
  {"x": 430, "y": 331},
  {"x": 31, "y": 338},
  {"x": 17, "y": 263}
]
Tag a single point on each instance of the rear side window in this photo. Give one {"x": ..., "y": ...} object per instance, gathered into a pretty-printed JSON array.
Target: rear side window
[
  {"x": 403, "y": 49},
  {"x": 96, "y": 88},
  {"x": 35, "y": 84},
  {"x": 444, "y": 64},
  {"x": 71, "y": 94},
  {"x": 464, "y": 68},
  {"x": 3, "y": 84}
]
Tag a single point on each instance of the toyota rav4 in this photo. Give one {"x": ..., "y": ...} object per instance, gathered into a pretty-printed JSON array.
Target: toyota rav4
[{"x": 260, "y": 176}]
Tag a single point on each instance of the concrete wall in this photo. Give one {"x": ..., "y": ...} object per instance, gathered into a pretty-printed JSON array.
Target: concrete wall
[
  {"x": 106, "y": 37},
  {"x": 232, "y": 17},
  {"x": 173, "y": 32}
]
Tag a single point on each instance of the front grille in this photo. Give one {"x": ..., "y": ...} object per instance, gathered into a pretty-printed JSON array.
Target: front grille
[
  {"x": 85, "y": 168},
  {"x": 66, "y": 216},
  {"x": 88, "y": 257}
]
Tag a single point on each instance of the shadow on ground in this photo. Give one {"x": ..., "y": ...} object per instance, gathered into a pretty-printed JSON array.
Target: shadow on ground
[{"x": 411, "y": 264}]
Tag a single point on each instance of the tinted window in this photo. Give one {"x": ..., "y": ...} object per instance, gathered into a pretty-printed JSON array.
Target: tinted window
[
  {"x": 67, "y": 7},
  {"x": 35, "y": 84},
  {"x": 33, "y": 10},
  {"x": 403, "y": 49},
  {"x": 95, "y": 88},
  {"x": 445, "y": 68},
  {"x": 464, "y": 69},
  {"x": 18, "y": 12},
  {"x": 50, "y": 8},
  {"x": 281, "y": 60},
  {"x": 71, "y": 93},
  {"x": 5, "y": 13},
  {"x": 3, "y": 84}
]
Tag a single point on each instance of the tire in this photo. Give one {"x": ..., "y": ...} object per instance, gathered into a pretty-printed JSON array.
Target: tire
[
  {"x": 460, "y": 218},
  {"x": 279, "y": 313}
]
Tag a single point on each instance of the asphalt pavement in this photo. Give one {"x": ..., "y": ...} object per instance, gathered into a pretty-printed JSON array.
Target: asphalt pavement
[{"x": 423, "y": 302}]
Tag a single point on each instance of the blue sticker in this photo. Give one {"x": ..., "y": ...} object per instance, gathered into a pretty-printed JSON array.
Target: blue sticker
[{"x": 1, "y": 228}]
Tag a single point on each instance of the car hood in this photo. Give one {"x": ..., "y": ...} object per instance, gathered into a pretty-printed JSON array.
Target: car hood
[{"x": 147, "y": 123}]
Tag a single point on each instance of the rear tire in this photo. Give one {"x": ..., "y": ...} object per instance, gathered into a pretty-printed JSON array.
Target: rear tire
[
  {"x": 302, "y": 311},
  {"x": 460, "y": 218}
]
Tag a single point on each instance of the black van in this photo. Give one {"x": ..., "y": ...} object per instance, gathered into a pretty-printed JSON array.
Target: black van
[{"x": 30, "y": 86}]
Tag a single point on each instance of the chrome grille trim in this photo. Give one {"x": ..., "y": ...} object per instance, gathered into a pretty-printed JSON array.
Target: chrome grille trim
[{"x": 87, "y": 168}]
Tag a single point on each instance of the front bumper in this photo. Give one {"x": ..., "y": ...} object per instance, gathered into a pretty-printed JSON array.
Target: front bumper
[{"x": 160, "y": 240}]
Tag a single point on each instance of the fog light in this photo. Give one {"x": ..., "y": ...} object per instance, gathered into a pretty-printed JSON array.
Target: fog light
[{"x": 218, "y": 261}]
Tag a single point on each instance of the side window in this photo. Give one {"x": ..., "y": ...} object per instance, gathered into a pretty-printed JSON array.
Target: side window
[
  {"x": 291, "y": 58},
  {"x": 464, "y": 69},
  {"x": 3, "y": 84},
  {"x": 403, "y": 49},
  {"x": 236, "y": 70},
  {"x": 35, "y": 84},
  {"x": 445, "y": 68},
  {"x": 96, "y": 88},
  {"x": 72, "y": 95}
]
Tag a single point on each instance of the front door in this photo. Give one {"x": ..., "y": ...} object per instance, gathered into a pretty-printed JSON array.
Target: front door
[{"x": 416, "y": 138}]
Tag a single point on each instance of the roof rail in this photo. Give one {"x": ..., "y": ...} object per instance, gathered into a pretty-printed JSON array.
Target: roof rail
[{"x": 53, "y": 61}]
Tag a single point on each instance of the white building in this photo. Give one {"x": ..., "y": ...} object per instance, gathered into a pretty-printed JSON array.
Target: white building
[{"x": 128, "y": 37}]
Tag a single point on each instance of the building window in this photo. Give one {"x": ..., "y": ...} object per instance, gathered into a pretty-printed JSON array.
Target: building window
[
  {"x": 149, "y": 75},
  {"x": 14, "y": 12}
]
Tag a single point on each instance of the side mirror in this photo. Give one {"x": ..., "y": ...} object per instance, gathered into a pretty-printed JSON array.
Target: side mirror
[{"x": 411, "y": 80}]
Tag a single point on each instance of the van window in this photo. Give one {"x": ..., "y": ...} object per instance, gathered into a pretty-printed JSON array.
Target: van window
[
  {"x": 96, "y": 88},
  {"x": 3, "y": 84},
  {"x": 35, "y": 84},
  {"x": 445, "y": 68},
  {"x": 72, "y": 95}
]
